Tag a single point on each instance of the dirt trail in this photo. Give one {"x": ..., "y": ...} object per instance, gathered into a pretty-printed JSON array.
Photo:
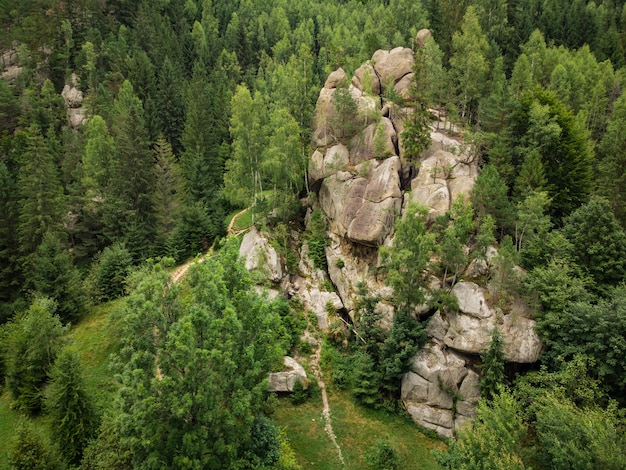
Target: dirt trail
[
  {"x": 328, "y": 427},
  {"x": 180, "y": 271}
]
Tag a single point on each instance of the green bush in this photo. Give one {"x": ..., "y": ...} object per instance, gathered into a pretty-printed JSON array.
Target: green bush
[
  {"x": 382, "y": 457},
  {"x": 108, "y": 275},
  {"x": 315, "y": 235}
]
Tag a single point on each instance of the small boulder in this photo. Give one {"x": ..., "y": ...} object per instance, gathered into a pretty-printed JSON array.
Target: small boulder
[
  {"x": 72, "y": 97},
  {"x": 422, "y": 36},
  {"x": 285, "y": 380}
]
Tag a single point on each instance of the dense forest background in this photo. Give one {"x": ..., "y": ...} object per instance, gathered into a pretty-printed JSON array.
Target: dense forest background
[{"x": 198, "y": 108}]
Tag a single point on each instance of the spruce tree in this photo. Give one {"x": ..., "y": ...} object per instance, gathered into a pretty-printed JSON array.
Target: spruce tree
[
  {"x": 492, "y": 368},
  {"x": 69, "y": 406},
  {"x": 130, "y": 213},
  {"x": 55, "y": 276},
  {"x": 168, "y": 192},
  {"x": 41, "y": 194}
]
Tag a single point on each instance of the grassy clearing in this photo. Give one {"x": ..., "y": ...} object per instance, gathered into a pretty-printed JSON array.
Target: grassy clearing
[
  {"x": 95, "y": 339},
  {"x": 357, "y": 429}
]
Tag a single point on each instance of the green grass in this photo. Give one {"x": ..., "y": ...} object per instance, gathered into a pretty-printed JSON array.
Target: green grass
[
  {"x": 244, "y": 221},
  {"x": 95, "y": 339},
  {"x": 356, "y": 428}
]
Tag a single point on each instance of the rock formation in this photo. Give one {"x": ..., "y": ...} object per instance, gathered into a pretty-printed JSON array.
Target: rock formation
[
  {"x": 73, "y": 99},
  {"x": 362, "y": 183}
]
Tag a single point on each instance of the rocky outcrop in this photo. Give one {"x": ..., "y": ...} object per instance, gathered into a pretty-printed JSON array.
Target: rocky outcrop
[
  {"x": 285, "y": 380},
  {"x": 361, "y": 205},
  {"x": 442, "y": 177},
  {"x": 440, "y": 389},
  {"x": 73, "y": 99},
  {"x": 10, "y": 64},
  {"x": 443, "y": 371}
]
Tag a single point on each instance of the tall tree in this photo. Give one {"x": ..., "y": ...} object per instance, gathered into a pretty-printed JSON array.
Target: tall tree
[
  {"x": 32, "y": 342},
  {"x": 171, "y": 104},
  {"x": 73, "y": 418},
  {"x": 409, "y": 258},
  {"x": 130, "y": 214},
  {"x": 193, "y": 367},
  {"x": 469, "y": 64},
  {"x": 55, "y": 276},
  {"x": 168, "y": 191},
  {"x": 41, "y": 203},
  {"x": 612, "y": 161},
  {"x": 243, "y": 180}
]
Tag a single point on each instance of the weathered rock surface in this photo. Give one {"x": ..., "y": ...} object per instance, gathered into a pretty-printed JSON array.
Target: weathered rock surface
[
  {"x": 285, "y": 380},
  {"x": 392, "y": 65},
  {"x": 366, "y": 79},
  {"x": 362, "y": 207},
  {"x": 442, "y": 177},
  {"x": 260, "y": 255},
  {"x": 335, "y": 78}
]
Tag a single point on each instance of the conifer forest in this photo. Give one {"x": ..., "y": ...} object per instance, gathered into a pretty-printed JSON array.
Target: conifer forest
[{"x": 275, "y": 234}]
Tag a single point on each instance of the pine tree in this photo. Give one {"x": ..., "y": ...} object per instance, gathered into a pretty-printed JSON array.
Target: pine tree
[
  {"x": 41, "y": 194},
  {"x": 170, "y": 104},
  {"x": 492, "y": 368},
  {"x": 33, "y": 341},
  {"x": 168, "y": 191},
  {"x": 130, "y": 212},
  {"x": 29, "y": 451},
  {"x": 416, "y": 134},
  {"x": 54, "y": 276},
  {"x": 69, "y": 406}
]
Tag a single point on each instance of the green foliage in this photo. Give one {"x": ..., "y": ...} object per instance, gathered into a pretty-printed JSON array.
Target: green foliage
[
  {"x": 382, "y": 456},
  {"x": 407, "y": 261},
  {"x": 32, "y": 341},
  {"x": 366, "y": 379},
  {"x": 343, "y": 122},
  {"x": 489, "y": 197},
  {"x": 492, "y": 377},
  {"x": 108, "y": 274},
  {"x": 315, "y": 236},
  {"x": 493, "y": 440},
  {"x": 541, "y": 123},
  {"x": 73, "y": 419},
  {"x": 55, "y": 276},
  {"x": 598, "y": 242},
  {"x": 299, "y": 394},
  {"x": 41, "y": 193},
  {"x": 211, "y": 351},
  {"x": 594, "y": 329},
  {"x": 29, "y": 450}
]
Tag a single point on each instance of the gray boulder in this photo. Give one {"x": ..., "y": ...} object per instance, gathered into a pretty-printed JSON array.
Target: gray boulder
[
  {"x": 285, "y": 380},
  {"x": 260, "y": 255}
]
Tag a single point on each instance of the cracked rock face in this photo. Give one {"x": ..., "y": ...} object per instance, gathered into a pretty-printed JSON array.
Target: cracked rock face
[{"x": 285, "y": 380}]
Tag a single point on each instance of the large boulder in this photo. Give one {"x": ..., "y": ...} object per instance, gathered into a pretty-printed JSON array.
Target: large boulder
[
  {"x": 366, "y": 79},
  {"x": 442, "y": 177},
  {"x": 522, "y": 344},
  {"x": 362, "y": 208},
  {"x": 335, "y": 78},
  {"x": 285, "y": 380},
  {"x": 428, "y": 389},
  {"x": 260, "y": 255},
  {"x": 378, "y": 140},
  {"x": 323, "y": 164},
  {"x": 392, "y": 65}
]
